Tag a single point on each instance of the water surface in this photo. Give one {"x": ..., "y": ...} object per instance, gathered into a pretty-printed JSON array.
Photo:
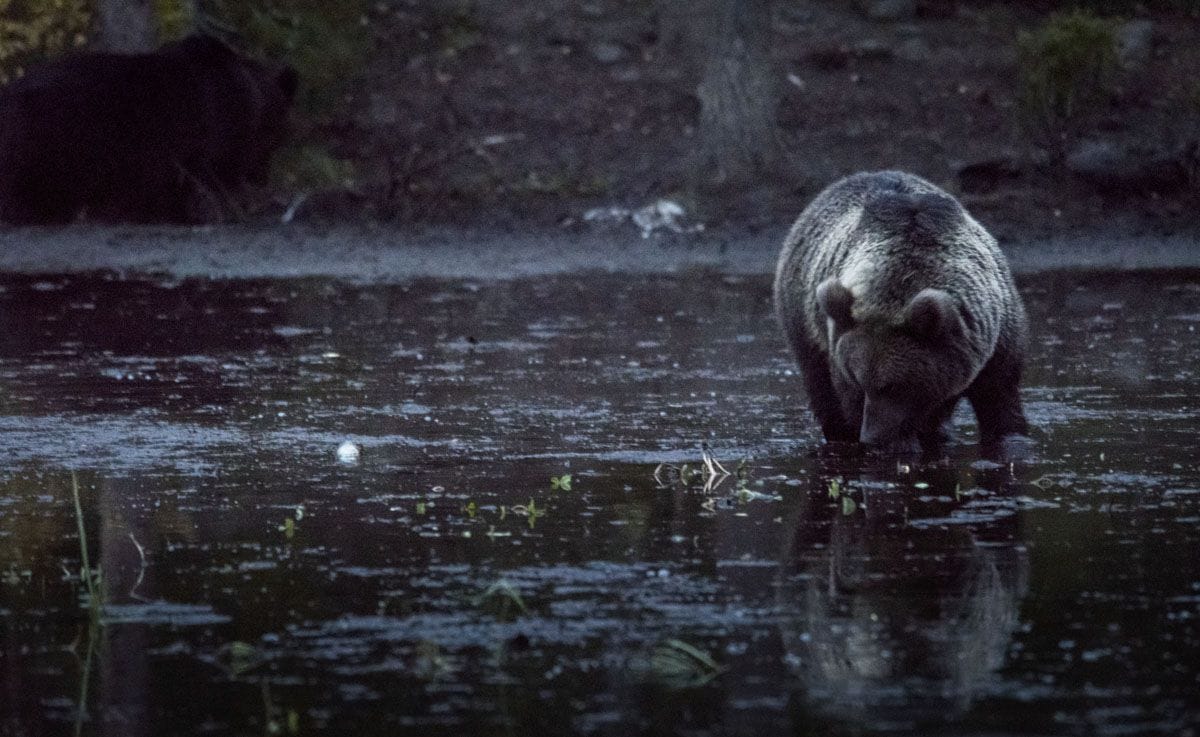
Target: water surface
[{"x": 254, "y": 584}]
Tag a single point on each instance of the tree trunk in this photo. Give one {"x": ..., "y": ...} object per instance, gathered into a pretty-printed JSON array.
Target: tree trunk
[
  {"x": 126, "y": 26},
  {"x": 738, "y": 139}
]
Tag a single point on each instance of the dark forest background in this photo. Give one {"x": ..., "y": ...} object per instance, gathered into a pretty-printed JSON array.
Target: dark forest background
[{"x": 1043, "y": 115}]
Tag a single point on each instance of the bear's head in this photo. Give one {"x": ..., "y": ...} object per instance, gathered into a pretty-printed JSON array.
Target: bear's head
[
  {"x": 896, "y": 375},
  {"x": 243, "y": 107}
]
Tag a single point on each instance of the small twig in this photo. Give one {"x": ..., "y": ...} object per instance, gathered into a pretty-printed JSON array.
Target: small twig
[{"x": 141, "y": 571}]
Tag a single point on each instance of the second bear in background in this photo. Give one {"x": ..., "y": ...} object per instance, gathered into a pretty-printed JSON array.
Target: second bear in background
[{"x": 138, "y": 137}]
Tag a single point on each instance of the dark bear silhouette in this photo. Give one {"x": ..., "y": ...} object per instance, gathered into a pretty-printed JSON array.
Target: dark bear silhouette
[
  {"x": 897, "y": 304},
  {"x": 138, "y": 137}
]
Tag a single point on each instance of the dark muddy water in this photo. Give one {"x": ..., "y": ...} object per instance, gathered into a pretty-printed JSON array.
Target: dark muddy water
[{"x": 253, "y": 583}]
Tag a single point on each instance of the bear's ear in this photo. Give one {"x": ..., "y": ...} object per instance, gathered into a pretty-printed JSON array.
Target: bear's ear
[
  {"x": 934, "y": 314},
  {"x": 289, "y": 81},
  {"x": 836, "y": 302}
]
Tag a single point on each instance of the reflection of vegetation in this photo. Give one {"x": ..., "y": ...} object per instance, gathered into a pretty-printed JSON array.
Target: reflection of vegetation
[
  {"x": 239, "y": 657},
  {"x": 1067, "y": 68},
  {"x": 430, "y": 663},
  {"x": 502, "y": 600},
  {"x": 93, "y": 584},
  {"x": 275, "y": 719},
  {"x": 85, "y": 675}
]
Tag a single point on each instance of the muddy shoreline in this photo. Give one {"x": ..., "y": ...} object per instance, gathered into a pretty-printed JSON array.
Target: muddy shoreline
[{"x": 381, "y": 255}]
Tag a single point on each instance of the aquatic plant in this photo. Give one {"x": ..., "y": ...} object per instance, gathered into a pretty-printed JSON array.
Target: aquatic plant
[
  {"x": 678, "y": 665},
  {"x": 502, "y": 600},
  {"x": 836, "y": 491},
  {"x": 561, "y": 483},
  {"x": 238, "y": 657},
  {"x": 92, "y": 583},
  {"x": 91, "y": 579},
  {"x": 275, "y": 719},
  {"x": 290, "y": 524},
  {"x": 710, "y": 473},
  {"x": 530, "y": 510}
]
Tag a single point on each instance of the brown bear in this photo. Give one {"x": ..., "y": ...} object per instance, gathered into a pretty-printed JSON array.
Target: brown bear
[
  {"x": 897, "y": 304},
  {"x": 136, "y": 137}
]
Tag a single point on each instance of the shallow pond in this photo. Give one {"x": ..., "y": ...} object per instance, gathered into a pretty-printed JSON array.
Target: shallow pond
[{"x": 441, "y": 583}]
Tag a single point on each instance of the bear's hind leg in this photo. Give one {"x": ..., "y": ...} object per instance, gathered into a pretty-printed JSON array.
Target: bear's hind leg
[{"x": 996, "y": 398}]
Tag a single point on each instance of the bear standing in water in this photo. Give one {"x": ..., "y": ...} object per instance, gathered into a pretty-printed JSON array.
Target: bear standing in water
[
  {"x": 135, "y": 137},
  {"x": 897, "y": 304}
]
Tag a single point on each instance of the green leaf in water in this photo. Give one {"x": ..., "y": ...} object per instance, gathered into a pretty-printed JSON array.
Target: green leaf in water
[
  {"x": 677, "y": 665},
  {"x": 561, "y": 483},
  {"x": 240, "y": 657},
  {"x": 835, "y": 488},
  {"x": 743, "y": 470},
  {"x": 848, "y": 506}
]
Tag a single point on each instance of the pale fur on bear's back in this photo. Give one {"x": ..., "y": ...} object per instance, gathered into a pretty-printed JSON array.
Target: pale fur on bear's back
[{"x": 886, "y": 236}]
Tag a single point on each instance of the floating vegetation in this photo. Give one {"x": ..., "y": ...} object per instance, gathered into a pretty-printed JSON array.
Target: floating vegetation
[
  {"x": 561, "y": 483},
  {"x": 531, "y": 510},
  {"x": 836, "y": 491},
  {"x": 290, "y": 524},
  {"x": 493, "y": 533},
  {"x": 430, "y": 663},
  {"x": 238, "y": 658},
  {"x": 708, "y": 475},
  {"x": 502, "y": 600},
  {"x": 275, "y": 720},
  {"x": 1042, "y": 482},
  {"x": 678, "y": 665}
]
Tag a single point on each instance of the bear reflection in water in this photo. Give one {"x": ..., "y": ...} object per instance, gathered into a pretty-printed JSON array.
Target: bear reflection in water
[{"x": 891, "y": 620}]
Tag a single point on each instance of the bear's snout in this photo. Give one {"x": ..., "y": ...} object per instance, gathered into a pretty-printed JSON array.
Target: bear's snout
[{"x": 882, "y": 421}]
